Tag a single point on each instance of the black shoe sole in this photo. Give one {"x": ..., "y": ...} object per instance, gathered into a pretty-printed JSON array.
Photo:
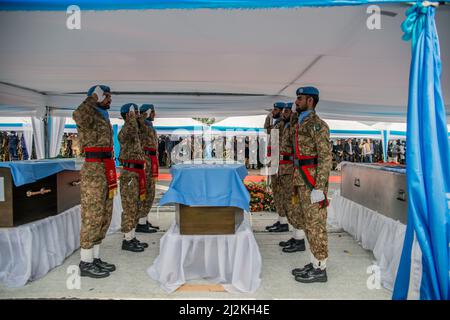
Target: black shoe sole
[
  {"x": 147, "y": 231},
  {"x": 291, "y": 251},
  {"x": 90, "y": 275},
  {"x": 133, "y": 250},
  {"x": 303, "y": 280}
]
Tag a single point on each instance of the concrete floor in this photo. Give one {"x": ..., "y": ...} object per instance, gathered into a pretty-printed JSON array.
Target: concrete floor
[{"x": 346, "y": 270}]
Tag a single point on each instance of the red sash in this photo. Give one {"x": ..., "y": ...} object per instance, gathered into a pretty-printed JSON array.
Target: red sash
[
  {"x": 142, "y": 177},
  {"x": 307, "y": 177},
  {"x": 110, "y": 168},
  {"x": 286, "y": 161},
  {"x": 154, "y": 161}
]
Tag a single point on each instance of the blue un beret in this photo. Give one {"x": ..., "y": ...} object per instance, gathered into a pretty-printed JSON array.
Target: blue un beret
[
  {"x": 311, "y": 91},
  {"x": 146, "y": 107},
  {"x": 103, "y": 87},
  {"x": 289, "y": 105},
  {"x": 279, "y": 105},
  {"x": 126, "y": 107}
]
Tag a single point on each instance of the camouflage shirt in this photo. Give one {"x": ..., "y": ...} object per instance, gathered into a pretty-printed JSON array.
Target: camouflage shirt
[
  {"x": 285, "y": 147},
  {"x": 313, "y": 139},
  {"x": 93, "y": 129},
  {"x": 147, "y": 134},
  {"x": 130, "y": 144}
]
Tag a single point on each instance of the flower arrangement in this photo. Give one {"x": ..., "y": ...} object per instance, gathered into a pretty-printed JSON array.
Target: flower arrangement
[{"x": 260, "y": 198}]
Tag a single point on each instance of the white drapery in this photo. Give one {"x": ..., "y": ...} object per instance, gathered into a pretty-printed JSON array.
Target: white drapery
[
  {"x": 30, "y": 251},
  {"x": 39, "y": 137},
  {"x": 381, "y": 234},
  {"x": 56, "y": 132},
  {"x": 28, "y": 137},
  {"x": 231, "y": 260}
]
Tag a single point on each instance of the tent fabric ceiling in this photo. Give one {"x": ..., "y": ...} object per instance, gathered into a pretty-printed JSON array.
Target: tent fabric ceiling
[{"x": 255, "y": 57}]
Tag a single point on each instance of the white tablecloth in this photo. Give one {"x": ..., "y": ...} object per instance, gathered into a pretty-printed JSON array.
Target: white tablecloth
[
  {"x": 231, "y": 260},
  {"x": 379, "y": 233}
]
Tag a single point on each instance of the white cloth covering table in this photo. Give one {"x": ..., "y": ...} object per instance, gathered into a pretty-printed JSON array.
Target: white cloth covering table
[{"x": 231, "y": 260}]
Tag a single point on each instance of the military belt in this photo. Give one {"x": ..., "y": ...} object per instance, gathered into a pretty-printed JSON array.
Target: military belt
[
  {"x": 133, "y": 165},
  {"x": 150, "y": 153},
  {"x": 98, "y": 155},
  {"x": 305, "y": 162},
  {"x": 286, "y": 158}
]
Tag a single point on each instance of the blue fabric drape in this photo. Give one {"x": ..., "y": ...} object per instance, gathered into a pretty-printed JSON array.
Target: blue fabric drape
[
  {"x": 61, "y": 5},
  {"x": 428, "y": 162}
]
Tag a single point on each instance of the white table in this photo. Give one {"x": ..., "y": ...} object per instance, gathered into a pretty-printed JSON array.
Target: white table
[{"x": 231, "y": 260}]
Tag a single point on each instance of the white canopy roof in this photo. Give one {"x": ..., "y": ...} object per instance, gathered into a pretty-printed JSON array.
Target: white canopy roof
[{"x": 213, "y": 62}]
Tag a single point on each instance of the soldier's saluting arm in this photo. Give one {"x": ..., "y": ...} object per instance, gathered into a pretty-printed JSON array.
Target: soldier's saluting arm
[
  {"x": 83, "y": 114},
  {"x": 130, "y": 130}
]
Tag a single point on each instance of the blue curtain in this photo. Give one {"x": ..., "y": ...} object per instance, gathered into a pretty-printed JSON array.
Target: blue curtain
[
  {"x": 428, "y": 162},
  {"x": 116, "y": 143},
  {"x": 61, "y": 5}
]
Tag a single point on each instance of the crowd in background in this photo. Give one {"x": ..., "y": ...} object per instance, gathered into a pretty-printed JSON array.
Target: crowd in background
[
  {"x": 367, "y": 150},
  {"x": 13, "y": 147}
]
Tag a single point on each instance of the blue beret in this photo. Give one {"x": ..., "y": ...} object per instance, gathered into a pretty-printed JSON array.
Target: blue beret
[
  {"x": 146, "y": 107},
  {"x": 289, "y": 105},
  {"x": 279, "y": 105},
  {"x": 126, "y": 107},
  {"x": 312, "y": 91},
  {"x": 103, "y": 87}
]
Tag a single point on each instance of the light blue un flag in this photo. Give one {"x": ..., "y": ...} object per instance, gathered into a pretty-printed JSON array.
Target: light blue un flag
[{"x": 428, "y": 162}]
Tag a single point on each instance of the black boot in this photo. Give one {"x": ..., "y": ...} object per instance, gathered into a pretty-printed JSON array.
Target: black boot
[
  {"x": 152, "y": 226},
  {"x": 104, "y": 265},
  {"x": 286, "y": 243},
  {"x": 313, "y": 275},
  {"x": 281, "y": 228},
  {"x": 276, "y": 224},
  {"x": 297, "y": 245},
  {"x": 145, "y": 228},
  {"x": 89, "y": 269},
  {"x": 299, "y": 271},
  {"x": 131, "y": 246},
  {"x": 142, "y": 244}
]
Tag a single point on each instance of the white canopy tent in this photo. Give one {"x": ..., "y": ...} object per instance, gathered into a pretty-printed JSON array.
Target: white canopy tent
[
  {"x": 212, "y": 62},
  {"x": 338, "y": 128},
  {"x": 162, "y": 125}
]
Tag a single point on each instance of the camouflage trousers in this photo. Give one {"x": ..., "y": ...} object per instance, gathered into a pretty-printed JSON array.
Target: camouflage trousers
[
  {"x": 96, "y": 207},
  {"x": 284, "y": 205},
  {"x": 146, "y": 205},
  {"x": 315, "y": 222},
  {"x": 277, "y": 192},
  {"x": 129, "y": 194}
]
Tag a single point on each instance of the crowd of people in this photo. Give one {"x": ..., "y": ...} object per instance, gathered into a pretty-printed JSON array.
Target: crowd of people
[
  {"x": 13, "y": 147},
  {"x": 367, "y": 150}
]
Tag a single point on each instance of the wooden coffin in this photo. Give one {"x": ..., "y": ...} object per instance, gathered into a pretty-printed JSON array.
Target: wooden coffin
[
  {"x": 43, "y": 198},
  {"x": 194, "y": 220}
]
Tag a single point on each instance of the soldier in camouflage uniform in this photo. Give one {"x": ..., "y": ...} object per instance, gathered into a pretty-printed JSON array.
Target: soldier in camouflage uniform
[
  {"x": 273, "y": 122},
  {"x": 149, "y": 144},
  {"x": 285, "y": 179},
  {"x": 313, "y": 161},
  {"x": 98, "y": 178},
  {"x": 133, "y": 182}
]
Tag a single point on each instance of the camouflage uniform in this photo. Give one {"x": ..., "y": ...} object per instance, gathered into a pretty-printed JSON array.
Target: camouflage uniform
[
  {"x": 148, "y": 139},
  {"x": 130, "y": 149},
  {"x": 96, "y": 204},
  {"x": 312, "y": 138},
  {"x": 275, "y": 183},
  {"x": 285, "y": 176}
]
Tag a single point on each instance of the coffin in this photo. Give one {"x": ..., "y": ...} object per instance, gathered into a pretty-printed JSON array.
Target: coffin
[
  {"x": 33, "y": 201},
  {"x": 381, "y": 189},
  {"x": 204, "y": 220}
]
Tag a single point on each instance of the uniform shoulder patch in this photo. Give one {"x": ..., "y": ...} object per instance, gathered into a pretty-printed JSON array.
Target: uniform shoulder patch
[{"x": 317, "y": 127}]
